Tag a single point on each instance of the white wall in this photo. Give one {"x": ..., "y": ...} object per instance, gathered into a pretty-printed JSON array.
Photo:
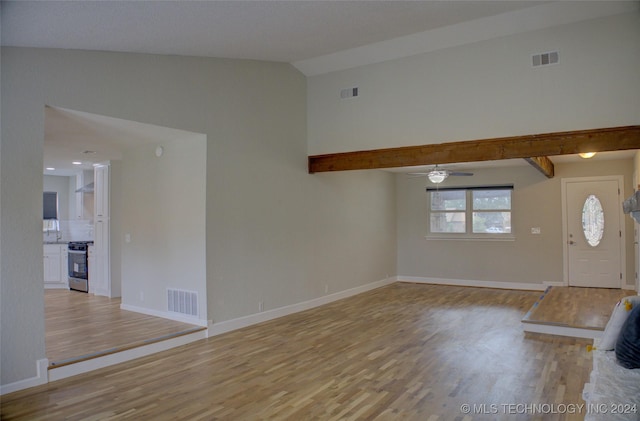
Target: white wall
[
  {"x": 529, "y": 259},
  {"x": 484, "y": 90},
  {"x": 334, "y": 231},
  {"x": 21, "y": 292},
  {"x": 274, "y": 233},
  {"x": 163, "y": 213}
]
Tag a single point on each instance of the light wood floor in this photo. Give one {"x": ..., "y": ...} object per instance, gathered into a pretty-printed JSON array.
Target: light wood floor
[
  {"x": 80, "y": 326},
  {"x": 405, "y": 351},
  {"x": 587, "y": 308}
]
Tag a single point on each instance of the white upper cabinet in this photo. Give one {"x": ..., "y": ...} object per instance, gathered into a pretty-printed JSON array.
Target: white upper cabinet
[
  {"x": 101, "y": 253},
  {"x": 84, "y": 195},
  {"x": 101, "y": 190}
]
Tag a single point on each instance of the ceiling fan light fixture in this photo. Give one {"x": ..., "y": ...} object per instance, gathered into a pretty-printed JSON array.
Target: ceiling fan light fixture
[
  {"x": 437, "y": 176},
  {"x": 587, "y": 155}
]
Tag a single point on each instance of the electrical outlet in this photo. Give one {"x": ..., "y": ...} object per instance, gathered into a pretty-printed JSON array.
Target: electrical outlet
[
  {"x": 535, "y": 230},
  {"x": 260, "y": 306},
  {"x": 326, "y": 288},
  {"x": 141, "y": 296}
]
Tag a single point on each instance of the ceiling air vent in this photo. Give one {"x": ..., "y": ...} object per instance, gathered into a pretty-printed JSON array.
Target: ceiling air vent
[
  {"x": 349, "y": 93},
  {"x": 545, "y": 59}
]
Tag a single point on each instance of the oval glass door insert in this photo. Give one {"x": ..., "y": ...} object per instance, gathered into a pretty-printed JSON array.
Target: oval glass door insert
[{"x": 592, "y": 220}]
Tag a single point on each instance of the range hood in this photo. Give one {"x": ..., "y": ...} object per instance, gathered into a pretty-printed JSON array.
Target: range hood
[
  {"x": 86, "y": 188},
  {"x": 631, "y": 205}
]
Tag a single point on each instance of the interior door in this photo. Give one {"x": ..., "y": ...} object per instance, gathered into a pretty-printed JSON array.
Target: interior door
[{"x": 593, "y": 232}]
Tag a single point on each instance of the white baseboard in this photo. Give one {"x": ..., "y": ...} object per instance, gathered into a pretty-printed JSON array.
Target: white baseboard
[
  {"x": 241, "y": 322},
  {"x": 566, "y": 284},
  {"x": 56, "y": 286},
  {"x": 123, "y": 356},
  {"x": 101, "y": 292},
  {"x": 44, "y": 375},
  {"x": 165, "y": 315},
  {"x": 573, "y": 332},
  {"x": 40, "y": 378},
  {"x": 475, "y": 283},
  {"x": 554, "y": 284}
]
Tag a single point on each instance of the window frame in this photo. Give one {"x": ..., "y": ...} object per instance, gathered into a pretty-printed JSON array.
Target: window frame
[{"x": 469, "y": 210}]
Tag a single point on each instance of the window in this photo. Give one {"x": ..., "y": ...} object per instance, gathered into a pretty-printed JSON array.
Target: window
[
  {"x": 470, "y": 212},
  {"x": 593, "y": 220}
]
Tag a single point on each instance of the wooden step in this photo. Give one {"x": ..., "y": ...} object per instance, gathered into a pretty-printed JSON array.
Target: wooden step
[{"x": 573, "y": 311}]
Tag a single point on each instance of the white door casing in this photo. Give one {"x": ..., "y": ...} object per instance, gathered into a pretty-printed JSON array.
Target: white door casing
[{"x": 601, "y": 265}]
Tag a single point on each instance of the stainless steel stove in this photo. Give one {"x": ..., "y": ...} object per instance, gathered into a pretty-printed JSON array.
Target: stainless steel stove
[{"x": 79, "y": 265}]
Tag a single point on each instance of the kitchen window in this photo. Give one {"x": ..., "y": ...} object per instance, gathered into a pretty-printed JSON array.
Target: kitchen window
[{"x": 470, "y": 212}]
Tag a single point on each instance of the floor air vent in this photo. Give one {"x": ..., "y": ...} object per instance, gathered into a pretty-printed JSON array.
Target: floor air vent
[{"x": 183, "y": 302}]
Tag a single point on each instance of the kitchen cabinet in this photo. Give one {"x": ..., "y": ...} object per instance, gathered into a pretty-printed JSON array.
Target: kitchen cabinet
[
  {"x": 91, "y": 261},
  {"x": 84, "y": 195},
  {"x": 79, "y": 196},
  {"x": 101, "y": 254},
  {"x": 100, "y": 277},
  {"x": 101, "y": 190},
  {"x": 55, "y": 266}
]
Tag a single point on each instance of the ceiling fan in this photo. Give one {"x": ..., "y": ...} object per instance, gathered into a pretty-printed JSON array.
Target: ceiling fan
[{"x": 438, "y": 175}]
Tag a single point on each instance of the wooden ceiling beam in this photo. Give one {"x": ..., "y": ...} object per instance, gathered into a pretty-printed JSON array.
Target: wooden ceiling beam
[
  {"x": 542, "y": 164},
  {"x": 537, "y": 145}
]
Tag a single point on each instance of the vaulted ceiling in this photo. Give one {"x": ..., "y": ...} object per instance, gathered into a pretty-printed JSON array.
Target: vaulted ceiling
[{"x": 315, "y": 36}]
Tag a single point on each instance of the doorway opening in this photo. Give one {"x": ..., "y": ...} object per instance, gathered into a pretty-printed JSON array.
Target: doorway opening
[{"x": 156, "y": 213}]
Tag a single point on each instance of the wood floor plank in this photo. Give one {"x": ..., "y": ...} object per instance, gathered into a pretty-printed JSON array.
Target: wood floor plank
[
  {"x": 405, "y": 351},
  {"x": 80, "y": 326},
  {"x": 586, "y": 308}
]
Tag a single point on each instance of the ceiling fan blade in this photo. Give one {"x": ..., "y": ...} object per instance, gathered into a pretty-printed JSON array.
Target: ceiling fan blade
[
  {"x": 417, "y": 174},
  {"x": 460, "y": 173}
]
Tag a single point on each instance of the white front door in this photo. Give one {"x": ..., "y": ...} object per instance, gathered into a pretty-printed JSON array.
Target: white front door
[{"x": 593, "y": 232}]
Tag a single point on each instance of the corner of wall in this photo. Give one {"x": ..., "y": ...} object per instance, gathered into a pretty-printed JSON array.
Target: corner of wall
[
  {"x": 241, "y": 322},
  {"x": 41, "y": 377}
]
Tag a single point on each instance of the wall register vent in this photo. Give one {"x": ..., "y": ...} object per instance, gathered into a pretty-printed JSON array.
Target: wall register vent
[
  {"x": 349, "y": 93},
  {"x": 545, "y": 59},
  {"x": 183, "y": 302}
]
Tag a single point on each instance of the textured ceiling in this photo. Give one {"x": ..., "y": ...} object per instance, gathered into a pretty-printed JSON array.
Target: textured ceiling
[
  {"x": 315, "y": 36},
  {"x": 286, "y": 31}
]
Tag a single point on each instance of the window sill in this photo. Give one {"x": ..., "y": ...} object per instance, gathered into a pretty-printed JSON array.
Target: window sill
[{"x": 465, "y": 237}]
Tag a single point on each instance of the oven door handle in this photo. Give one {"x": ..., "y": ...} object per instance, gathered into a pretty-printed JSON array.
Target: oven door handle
[{"x": 76, "y": 252}]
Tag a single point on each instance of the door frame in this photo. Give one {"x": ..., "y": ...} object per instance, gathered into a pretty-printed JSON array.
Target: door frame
[{"x": 565, "y": 229}]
